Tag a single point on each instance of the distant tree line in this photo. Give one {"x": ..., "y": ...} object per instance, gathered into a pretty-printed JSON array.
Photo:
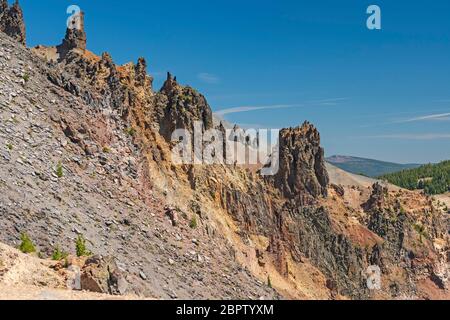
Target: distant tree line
[{"x": 432, "y": 178}]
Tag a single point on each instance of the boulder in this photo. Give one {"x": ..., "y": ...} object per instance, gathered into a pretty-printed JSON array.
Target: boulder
[
  {"x": 101, "y": 274},
  {"x": 340, "y": 191}
]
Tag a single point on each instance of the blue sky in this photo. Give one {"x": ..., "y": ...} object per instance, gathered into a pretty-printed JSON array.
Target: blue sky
[{"x": 378, "y": 94}]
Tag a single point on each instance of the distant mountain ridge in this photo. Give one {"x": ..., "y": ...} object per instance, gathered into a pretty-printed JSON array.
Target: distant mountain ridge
[{"x": 368, "y": 167}]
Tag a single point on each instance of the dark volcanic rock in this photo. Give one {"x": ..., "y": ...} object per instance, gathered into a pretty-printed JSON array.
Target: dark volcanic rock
[
  {"x": 141, "y": 76},
  {"x": 407, "y": 238},
  {"x": 12, "y": 22},
  {"x": 333, "y": 253},
  {"x": 107, "y": 144},
  {"x": 79, "y": 75},
  {"x": 302, "y": 173},
  {"x": 3, "y": 6},
  {"x": 72, "y": 110},
  {"x": 340, "y": 191},
  {"x": 178, "y": 107},
  {"x": 75, "y": 36},
  {"x": 377, "y": 199}
]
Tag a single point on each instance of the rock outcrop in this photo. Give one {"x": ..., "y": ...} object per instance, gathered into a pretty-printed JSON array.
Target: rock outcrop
[
  {"x": 178, "y": 107},
  {"x": 410, "y": 238},
  {"x": 142, "y": 79},
  {"x": 12, "y": 22},
  {"x": 75, "y": 38},
  {"x": 102, "y": 275},
  {"x": 114, "y": 86},
  {"x": 377, "y": 198},
  {"x": 302, "y": 173}
]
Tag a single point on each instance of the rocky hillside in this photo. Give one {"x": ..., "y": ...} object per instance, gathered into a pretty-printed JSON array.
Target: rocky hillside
[
  {"x": 71, "y": 164},
  {"x": 85, "y": 150}
]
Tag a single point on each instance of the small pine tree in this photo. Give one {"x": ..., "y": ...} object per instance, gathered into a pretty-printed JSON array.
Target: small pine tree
[
  {"x": 59, "y": 255},
  {"x": 59, "y": 170},
  {"x": 26, "y": 246},
  {"x": 130, "y": 131},
  {"x": 193, "y": 222},
  {"x": 80, "y": 247},
  {"x": 269, "y": 282},
  {"x": 26, "y": 77}
]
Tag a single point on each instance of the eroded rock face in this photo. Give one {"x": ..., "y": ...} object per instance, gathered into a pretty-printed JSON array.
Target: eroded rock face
[
  {"x": 116, "y": 88},
  {"x": 314, "y": 238},
  {"x": 12, "y": 22},
  {"x": 408, "y": 239},
  {"x": 340, "y": 191},
  {"x": 302, "y": 173},
  {"x": 178, "y": 107}
]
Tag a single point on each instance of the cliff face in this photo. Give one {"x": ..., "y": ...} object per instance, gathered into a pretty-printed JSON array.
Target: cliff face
[
  {"x": 12, "y": 22},
  {"x": 414, "y": 238},
  {"x": 195, "y": 231}
]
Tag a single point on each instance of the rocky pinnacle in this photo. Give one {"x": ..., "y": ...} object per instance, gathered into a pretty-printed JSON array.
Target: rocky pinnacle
[
  {"x": 75, "y": 37},
  {"x": 12, "y": 22}
]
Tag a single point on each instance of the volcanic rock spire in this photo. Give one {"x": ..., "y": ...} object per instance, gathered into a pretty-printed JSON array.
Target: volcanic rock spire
[
  {"x": 3, "y": 6},
  {"x": 75, "y": 38},
  {"x": 12, "y": 22},
  {"x": 302, "y": 171},
  {"x": 169, "y": 84}
]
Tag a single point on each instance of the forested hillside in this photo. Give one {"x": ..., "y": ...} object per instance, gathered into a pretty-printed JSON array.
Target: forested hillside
[{"x": 432, "y": 178}]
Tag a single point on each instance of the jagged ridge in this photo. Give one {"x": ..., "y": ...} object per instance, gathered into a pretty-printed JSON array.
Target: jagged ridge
[{"x": 290, "y": 221}]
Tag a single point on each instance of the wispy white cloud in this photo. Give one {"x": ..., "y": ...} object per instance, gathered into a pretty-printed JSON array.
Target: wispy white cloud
[
  {"x": 254, "y": 126},
  {"x": 208, "y": 78},
  {"x": 413, "y": 136},
  {"x": 254, "y": 108},
  {"x": 329, "y": 102},
  {"x": 323, "y": 102},
  {"x": 430, "y": 117}
]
